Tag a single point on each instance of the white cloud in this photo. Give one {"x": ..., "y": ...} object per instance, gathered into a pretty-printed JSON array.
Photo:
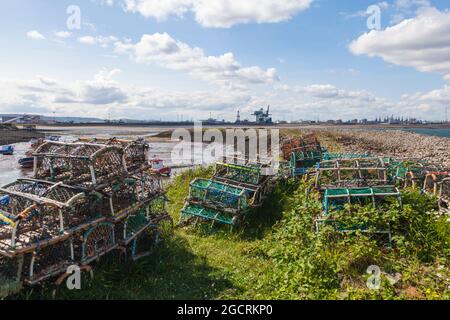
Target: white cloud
[
  {"x": 63, "y": 34},
  {"x": 103, "y": 95},
  {"x": 162, "y": 49},
  {"x": 220, "y": 13},
  {"x": 87, "y": 40},
  {"x": 409, "y": 4},
  {"x": 422, "y": 42},
  {"x": 107, "y": 2},
  {"x": 100, "y": 40},
  {"x": 35, "y": 35}
]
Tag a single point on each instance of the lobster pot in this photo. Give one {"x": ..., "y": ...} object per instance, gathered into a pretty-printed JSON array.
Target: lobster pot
[
  {"x": 136, "y": 154},
  {"x": 94, "y": 242},
  {"x": 346, "y": 173},
  {"x": 83, "y": 164},
  {"x": 204, "y": 212},
  {"x": 219, "y": 194},
  {"x": 148, "y": 185},
  {"x": 132, "y": 226},
  {"x": 144, "y": 242},
  {"x": 300, "y": 145},
  {"x": 10, "y": 271},
  {"x": 250, "y": 174},
  {"x": 63, "y": 169},
  {"x": 84, "y": 211},
  {"x": 38, "y": 225},
  {"x": 301, "y": 161},
  {"x": 47, "y": 262},
  {"x": 336, "y": 199},
  {"x": 120, "y": 196},
  {"x": 108, "y": 164}
]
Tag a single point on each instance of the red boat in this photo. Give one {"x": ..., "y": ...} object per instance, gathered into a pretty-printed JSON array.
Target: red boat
[{"x": 158, "y": 166}]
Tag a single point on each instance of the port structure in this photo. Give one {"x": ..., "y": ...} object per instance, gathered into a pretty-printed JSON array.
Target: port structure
[{"x": 61, "y": 219}]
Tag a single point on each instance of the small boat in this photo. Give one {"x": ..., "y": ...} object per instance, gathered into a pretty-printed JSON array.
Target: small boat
[
  {"x": 159, "y": 167},
  {"x": 26, "y": 162},
  {"x": 53, "y": 138},
  {"x": 7, "y": 150}
]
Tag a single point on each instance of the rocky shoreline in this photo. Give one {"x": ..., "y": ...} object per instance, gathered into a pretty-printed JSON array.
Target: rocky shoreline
[{"x": 393, "y": 143}]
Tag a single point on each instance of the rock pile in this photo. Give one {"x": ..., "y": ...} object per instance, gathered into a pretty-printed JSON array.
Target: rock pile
[{"x": 395, "y": 143}]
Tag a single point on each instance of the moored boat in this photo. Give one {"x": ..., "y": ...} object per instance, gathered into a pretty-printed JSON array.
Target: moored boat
[
  {"x": 159, "y": 167},
  {"x": 7, "y": 150},
  {"x": 27, "y": 162}
]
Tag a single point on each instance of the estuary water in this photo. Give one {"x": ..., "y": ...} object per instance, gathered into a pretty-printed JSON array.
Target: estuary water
[{"x": 431, "y": 132}]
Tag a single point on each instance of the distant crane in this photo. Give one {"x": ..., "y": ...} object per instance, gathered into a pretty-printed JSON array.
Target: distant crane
[{"x": 263, "y": 117}]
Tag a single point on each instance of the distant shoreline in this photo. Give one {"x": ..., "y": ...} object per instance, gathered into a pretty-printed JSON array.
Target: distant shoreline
[{"x": 62, "y": 127}]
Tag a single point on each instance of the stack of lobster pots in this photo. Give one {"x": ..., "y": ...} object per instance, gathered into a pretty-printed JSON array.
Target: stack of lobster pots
[
  {"x": 302, "y": 153},
  {"x": 86, "y": 200},
  {"x": 238, "y": 185}
]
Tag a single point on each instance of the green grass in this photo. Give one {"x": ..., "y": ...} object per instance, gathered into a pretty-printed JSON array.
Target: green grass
[{"x": 276, "y": 254}]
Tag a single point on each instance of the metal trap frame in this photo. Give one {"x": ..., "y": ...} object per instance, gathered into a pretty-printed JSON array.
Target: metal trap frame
[
  {"x": 327, "y": 156},
  {"x": 83, "y": 164},
  {"x": 336, "y": 199},
  {"x": 348, "y": 173},
  {"x": 135, "y": 151}
]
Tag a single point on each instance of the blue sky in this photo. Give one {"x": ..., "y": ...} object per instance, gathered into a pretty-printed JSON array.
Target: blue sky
[{"x": 306, "y": 58}]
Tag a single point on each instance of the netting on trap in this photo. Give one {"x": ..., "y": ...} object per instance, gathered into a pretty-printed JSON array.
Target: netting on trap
[
  {"x": 27, "y": 221},
  {"x": 82, "y": 164},
  {"x": 98, "y": 241},
  {"x": 47, "y": 262},
  {"x": 220, "y": 195},
  {"x": 348, "y": 173},
  {"x": 247, "y": 174},
  {"x": 148, "y": 184},
  {"x": 302, "y": 153},
  {"x": 135, "y": 151},
  {"x": 34, "y": 213},
  {"x": 193, "y": 210},
  {"x": 144, "y": 243}
]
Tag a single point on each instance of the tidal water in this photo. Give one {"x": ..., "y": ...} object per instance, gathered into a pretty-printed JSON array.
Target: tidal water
[
  {"x": 431, "y": 132},
  {"x": 10, "y": 169}
]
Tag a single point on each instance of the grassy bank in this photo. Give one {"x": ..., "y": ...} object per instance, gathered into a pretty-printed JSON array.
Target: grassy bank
[{"x": 277, "y": 254}]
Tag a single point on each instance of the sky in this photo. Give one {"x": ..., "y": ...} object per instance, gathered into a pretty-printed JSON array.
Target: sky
[{"x": 192, "y": 59}]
